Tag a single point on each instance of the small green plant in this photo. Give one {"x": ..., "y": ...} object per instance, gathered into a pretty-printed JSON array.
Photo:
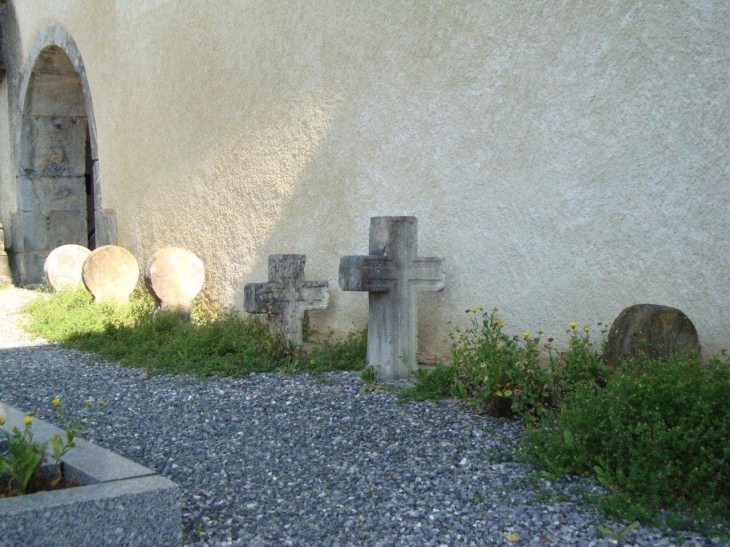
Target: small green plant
[
  {"x": 21, "y": 456},
  {"x": 436, "y": 383},
  {"x": 617, "y": 535},
  {"x": 369, "y": 375}
]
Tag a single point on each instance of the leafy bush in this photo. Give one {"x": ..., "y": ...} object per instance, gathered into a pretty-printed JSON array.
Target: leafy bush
[
  {"x": 656, "y": 435},
  {"x": 506, "y": 376}
]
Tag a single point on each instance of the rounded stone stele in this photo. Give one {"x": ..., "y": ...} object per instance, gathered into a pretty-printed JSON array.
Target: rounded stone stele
[
  {"x": 110, "y": 273},
  {"x": 176, "y": 276},
  {"x": 63, "y": 266},
  {"x": 650, "y": 330}
]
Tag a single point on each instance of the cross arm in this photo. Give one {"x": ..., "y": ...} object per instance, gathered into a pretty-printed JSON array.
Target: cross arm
[
  {"x": 259, "y": 298},
  {"x": 364, "y": 273}
]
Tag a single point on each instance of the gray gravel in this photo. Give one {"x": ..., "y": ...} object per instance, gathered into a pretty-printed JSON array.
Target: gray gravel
[{"x": 278, "y": 459}]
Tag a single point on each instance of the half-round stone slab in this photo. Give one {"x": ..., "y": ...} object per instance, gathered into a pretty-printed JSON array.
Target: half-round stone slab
[
  {"x": 63, "y": 266},
  {"x": 110, "y": 273},
  {"x": 176, "y": 276},
  {"x": 650, "y": 330}
]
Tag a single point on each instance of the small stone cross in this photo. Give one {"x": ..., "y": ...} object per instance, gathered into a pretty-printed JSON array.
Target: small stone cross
[
  {"x": 392, "y": 274},
  {"x": 286, "y": 296}
]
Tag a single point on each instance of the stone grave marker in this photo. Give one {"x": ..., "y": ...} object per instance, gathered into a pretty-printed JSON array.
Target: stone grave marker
[
  {"x": 63, "y": 266},
  {"x": 653, "y": 330},
  {"x": 175, "y": 277},
  {"x": 286, "y": 296},
  {"x": 392, "y": 274},
  {"x": 5, "y": 277},
  {"x": 110, "y": 273}
]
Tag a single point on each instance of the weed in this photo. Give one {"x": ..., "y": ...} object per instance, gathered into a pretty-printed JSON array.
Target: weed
[
  {"x": 617, "y": 535},
  {"x": 436, "y": 383}
]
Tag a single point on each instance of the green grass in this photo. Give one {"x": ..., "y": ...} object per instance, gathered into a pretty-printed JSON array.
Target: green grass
[{"x": 223, "y": 345}]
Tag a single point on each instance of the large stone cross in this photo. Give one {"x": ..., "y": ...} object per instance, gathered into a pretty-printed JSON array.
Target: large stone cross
[
  {"x": 286, "y": 296},
  {"x": 392, "y": 274}
]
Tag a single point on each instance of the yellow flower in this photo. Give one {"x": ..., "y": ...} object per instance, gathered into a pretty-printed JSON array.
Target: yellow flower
[
  {"x": 586, "y": 329},
  {"x": 2, "y": 420},
  {"x": 498, "y": 320},
  {"x": 572, "y": 324},
  {"x": 570, "y": 341},
  {"x": 27, "y": 420},
  {"x": 525, "y": 335},
  {"x": 481, "y": 308},
  {"x": 56, "y": 401}
]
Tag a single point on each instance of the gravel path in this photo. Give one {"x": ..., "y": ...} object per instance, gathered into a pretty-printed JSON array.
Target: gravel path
[{"x": 310, "y": 459}]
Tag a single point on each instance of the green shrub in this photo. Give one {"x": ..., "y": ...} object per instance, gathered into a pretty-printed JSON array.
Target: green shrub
[{"x": 656, "y": 435}]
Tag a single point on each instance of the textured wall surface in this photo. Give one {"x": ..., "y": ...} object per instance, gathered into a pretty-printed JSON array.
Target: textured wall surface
[{"x": 566, "y": 159}]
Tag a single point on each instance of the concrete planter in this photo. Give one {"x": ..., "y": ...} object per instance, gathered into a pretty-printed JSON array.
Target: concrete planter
[{"x": 119, "y": 503}]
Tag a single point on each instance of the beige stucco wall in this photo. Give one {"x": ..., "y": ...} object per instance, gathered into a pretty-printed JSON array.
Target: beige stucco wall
[{"x": 566, "y": 159}]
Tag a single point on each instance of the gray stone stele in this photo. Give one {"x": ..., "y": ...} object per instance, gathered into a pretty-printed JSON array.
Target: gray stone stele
[
  {"x": 110, "y": 273},
  {"x": 63, "y": 267},
  {"x": 6, "y": 277},
  {"x": 175, "y": 276},
  {"x": 392, "y": 274},
  {"x": 119, "y": 502},
  {"x": 650, "y": 330},
  {"x": 286, "y": 296}
]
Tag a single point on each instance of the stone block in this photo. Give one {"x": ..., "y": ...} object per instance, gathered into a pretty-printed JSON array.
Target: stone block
[
  {"x": 56, "y": 95},
  {"x": 175, "y": 277},
  {"x": 119, "y": 503},
  {"x": 63, "y": 266},
  {"x": 106, "y": 227},
  {"x": 651, "y": 330},
  {"x": 96, "y": 181},
  {"x": 286, "y": 296},
  {"x": 5, "y": 276},
  {"x": 392, "y": 274},
  {"x": 110, "y": 273},
  {"x": 30, "y": 232},
  {"x": 67, "y": 228},
  {"x": 33, "y": 267},
  {"x": 57, "y": 193},
  {"x": 59, "y": 147},
  {"x": 27, "y": 199}
]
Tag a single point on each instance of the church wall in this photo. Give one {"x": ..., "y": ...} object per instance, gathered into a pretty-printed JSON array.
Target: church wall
[{"x": 567, "y": 160}]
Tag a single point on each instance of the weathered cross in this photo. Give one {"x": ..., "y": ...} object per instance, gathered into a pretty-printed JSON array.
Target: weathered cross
[
  {"x": 392, "y": 274},
  {"x": 286, "y": 296}
]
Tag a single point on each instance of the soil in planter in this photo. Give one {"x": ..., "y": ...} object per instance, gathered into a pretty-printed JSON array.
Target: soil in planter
[{"x": 47, "y": 479}]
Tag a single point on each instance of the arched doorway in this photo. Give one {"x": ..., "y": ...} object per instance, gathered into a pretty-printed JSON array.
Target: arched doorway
[{"x": 58, "y": 188}]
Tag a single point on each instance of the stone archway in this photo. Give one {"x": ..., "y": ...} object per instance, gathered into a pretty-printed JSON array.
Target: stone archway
[{"x": 58, "y": 182}]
